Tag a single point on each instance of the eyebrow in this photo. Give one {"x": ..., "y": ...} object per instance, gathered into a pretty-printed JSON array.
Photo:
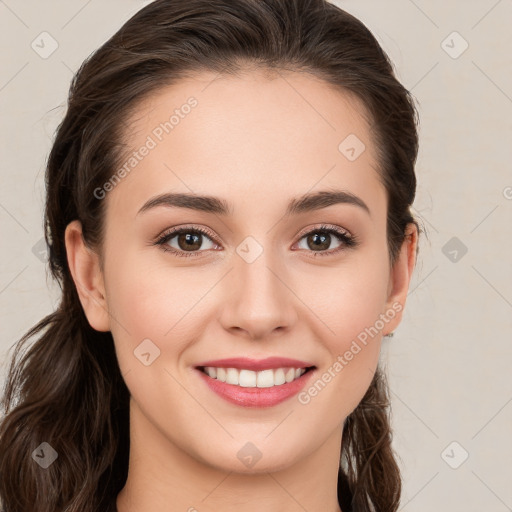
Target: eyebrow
[{"x": 210, "y": 204}]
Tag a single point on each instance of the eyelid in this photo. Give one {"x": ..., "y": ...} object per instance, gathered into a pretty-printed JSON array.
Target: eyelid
[
  {"x": 170, "y": 233},
  {"x": 186, "y": 227},
  {"x": 209, "y": 233},
  {"x": 324, "y": 227},
  {"x": 347, "y": 239}
]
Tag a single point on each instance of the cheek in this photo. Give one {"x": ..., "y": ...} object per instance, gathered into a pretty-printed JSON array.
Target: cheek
[
  {"x": 143, "y": 305},
  {"x": 350, "y": 304},
  {"x": 347, "y": 300}
]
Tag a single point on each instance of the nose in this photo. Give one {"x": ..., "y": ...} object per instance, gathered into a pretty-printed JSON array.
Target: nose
[{"x": 258, "y": 301}]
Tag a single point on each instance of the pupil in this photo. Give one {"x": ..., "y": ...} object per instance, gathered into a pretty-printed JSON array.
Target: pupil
[
  {"x": 191, "y": 241},
  {"x": 322, "y": 242}
]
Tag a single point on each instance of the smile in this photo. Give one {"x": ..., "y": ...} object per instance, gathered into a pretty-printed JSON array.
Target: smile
[
  {"x": 248, "y": 388},
  {"x": 252, "y": 379}
]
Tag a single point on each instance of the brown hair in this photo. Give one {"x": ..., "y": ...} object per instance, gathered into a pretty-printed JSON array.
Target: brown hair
[{"x": 67, "y": 389}]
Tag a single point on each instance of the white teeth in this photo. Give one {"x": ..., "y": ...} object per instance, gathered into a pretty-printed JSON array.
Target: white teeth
[
  {"x": 265, "y": 379},
  {"x": 231, "y": 376},
  {"x": 247, "y": 378},
  {"x": 279, "y": 377},
  {"x": 251, "y": 379},
  {"x": 290, "y": 375},
  {"x": 211, "y": 371}
]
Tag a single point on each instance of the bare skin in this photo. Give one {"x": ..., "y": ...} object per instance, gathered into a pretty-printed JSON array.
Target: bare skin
[{"x": 256, "y": 141}]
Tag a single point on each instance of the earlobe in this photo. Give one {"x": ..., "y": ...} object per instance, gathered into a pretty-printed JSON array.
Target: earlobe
[
  {"x": 400, "y": 277},
  {"x": 85, "y": 269}
]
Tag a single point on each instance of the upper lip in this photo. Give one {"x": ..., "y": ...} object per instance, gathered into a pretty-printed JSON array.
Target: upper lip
[{"x": 269, "y": 363}]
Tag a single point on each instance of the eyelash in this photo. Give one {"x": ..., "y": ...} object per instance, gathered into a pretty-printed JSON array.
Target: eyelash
[{"x": 348, "y": 241}]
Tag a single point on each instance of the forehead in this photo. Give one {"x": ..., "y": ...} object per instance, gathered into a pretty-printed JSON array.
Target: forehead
[{"x": 270, "y": 136}]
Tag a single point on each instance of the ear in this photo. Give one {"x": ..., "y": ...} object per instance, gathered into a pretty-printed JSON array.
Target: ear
[
  {"x": 85, "y": 268},
  {"x": 400, "y": 278}
]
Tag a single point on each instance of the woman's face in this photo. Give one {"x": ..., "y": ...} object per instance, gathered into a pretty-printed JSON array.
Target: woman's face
[{"x": 263, "y": 282}]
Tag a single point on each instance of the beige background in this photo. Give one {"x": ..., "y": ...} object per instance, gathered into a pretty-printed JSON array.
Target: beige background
[{"x": 449, "y": 362}]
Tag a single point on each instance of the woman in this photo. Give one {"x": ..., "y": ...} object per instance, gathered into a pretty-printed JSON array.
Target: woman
[{"x": 228, "y": 214}]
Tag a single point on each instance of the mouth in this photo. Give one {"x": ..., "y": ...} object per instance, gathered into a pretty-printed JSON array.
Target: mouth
[
  {"x": 246, "y": 378},
  {"x": 249, "y": 388}
]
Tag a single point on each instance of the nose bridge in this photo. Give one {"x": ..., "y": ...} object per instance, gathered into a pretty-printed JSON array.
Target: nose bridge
[{"x": 260, "y": 302}]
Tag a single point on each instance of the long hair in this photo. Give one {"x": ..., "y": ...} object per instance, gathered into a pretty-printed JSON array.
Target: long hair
[{"x": 66, "y": 388}]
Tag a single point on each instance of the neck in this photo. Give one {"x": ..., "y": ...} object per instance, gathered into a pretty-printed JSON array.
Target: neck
[{"x": 163, "y": 476}]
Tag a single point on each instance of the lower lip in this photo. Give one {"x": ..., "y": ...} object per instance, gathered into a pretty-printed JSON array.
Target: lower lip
[{"x": 256, "y": 397}]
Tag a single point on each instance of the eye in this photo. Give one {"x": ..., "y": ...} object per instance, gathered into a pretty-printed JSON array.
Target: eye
[
  {"x": 188, "y": 240},
  {"x": 321, "y": 238}
]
